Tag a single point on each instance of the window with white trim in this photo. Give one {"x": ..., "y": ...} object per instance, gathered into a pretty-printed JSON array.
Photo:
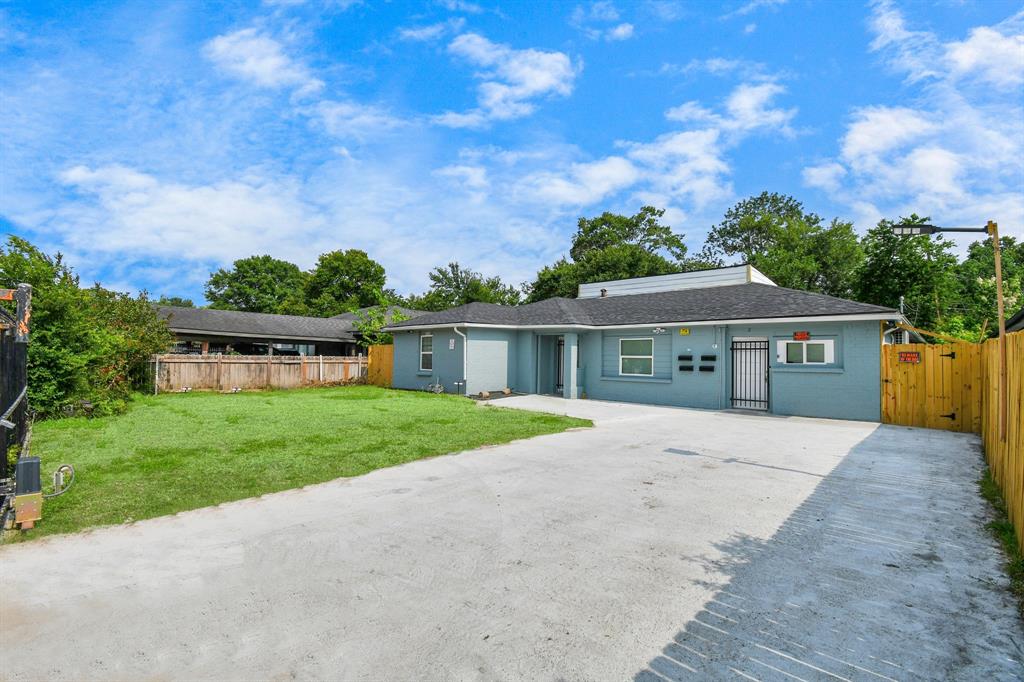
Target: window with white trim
[
  {"x": 426, "y": 352},
  {"x": 636, "y": 357},
  {"x": 812, "y": 352}
]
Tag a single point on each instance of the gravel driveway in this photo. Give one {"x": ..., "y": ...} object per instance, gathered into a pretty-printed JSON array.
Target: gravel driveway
[{"x": 663, "y": 543}]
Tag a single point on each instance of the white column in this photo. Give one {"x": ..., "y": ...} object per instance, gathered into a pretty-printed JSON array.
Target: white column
[{"x": 570, "y": 353}]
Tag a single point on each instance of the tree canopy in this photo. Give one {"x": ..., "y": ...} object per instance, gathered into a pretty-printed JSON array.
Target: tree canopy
[
  {"x": 613, "y": 246},
  {"x": 257, "y": 284},
  {"x": 87, "y": 345},
  {"x": 794, "y": 248},
  {"x": 455, "y": 285},
  {"x": 343, "y": 281}
]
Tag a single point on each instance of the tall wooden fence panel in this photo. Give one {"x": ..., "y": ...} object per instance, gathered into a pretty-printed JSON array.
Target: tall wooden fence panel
[
  {"x": 382, "y": 361},
  {"x": 247, "y": 372},
  {"x": 1006, "y": 456},
  {"x": 933, "y": 386},
  {"x": 955, "y": 386}
]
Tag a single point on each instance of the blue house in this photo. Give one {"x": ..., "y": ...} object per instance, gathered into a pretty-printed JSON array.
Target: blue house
[{"x": 725, "y": 338}]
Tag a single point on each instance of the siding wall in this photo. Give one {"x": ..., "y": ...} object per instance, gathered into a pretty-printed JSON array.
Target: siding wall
[
  {"x": 668, "y": 386},
  {"x": 447, "y": 363},
  {"x": 848, "y": 389},
  {"x": 492, "y": 360}
]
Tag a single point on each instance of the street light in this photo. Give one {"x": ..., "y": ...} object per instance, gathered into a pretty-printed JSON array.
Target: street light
[{"x": 991, "y": 229}]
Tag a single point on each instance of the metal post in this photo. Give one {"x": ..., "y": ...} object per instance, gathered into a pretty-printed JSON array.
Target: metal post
[{"x": 993, "y": 230}]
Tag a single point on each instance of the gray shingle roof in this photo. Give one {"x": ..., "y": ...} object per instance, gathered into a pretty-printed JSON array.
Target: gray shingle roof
[
  {"x": 737, "y": 302},
  {"x": 227, "y": 322},
  {"x": 408, "y": 312}
]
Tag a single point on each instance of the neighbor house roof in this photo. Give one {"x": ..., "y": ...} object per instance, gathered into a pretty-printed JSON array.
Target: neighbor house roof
[
  {"x": 254, "y": 325},
  {"x": 1016, "y": 323},
  {"x": 721, "y": 303}
]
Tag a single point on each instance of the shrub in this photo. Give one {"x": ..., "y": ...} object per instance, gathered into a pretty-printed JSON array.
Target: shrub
[{"x": 85, "y": 344}]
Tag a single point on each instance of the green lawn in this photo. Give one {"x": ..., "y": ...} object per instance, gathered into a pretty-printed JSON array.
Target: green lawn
[{"x": 183, "y": 451}]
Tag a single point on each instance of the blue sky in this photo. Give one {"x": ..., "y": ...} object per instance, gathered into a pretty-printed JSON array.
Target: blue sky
[{"x": 154, "y": 142}]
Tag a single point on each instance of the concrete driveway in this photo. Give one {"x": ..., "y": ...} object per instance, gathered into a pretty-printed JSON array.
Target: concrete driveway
[{"x": 664, "y": 543}]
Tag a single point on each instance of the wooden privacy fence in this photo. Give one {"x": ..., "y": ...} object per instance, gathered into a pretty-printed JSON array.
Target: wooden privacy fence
[
  {"x": 1006, "y": 457},
  {"x": 382, "y": 360},
  {"x": 228, "y": 372},
  {"x": 955, "y": 386},
  {"x": 932, "y": 386}
]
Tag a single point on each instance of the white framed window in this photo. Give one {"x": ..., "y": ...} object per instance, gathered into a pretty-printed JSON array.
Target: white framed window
[
  {"x": 426, "y": 352},
  {"x": 811, "y": 352},
  {"x": 636, "y": 357}
]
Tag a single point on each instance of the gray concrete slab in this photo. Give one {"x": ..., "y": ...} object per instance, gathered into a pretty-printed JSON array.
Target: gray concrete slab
[{"x": 662, "y": 544}]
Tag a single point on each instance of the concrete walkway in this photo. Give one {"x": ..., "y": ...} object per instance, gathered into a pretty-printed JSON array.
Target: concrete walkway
[{"x": 662, "y": 544}]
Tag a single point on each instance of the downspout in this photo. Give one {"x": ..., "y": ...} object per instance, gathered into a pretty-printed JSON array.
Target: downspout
[{"x": 465, "y": 357}]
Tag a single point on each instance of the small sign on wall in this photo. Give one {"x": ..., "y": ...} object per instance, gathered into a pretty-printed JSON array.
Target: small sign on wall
[
  {"x": 451, "y": 344},
  {"x": 911, "y": 356},
  {"x": 801, "y": 336},
  {"x": 684, "y": 331}
]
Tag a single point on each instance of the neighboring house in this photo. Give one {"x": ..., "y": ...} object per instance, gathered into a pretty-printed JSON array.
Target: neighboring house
[
  {"x": 1016, "y": 323},
  {"x": 203, "y": 330},
  {"x": 713, "y": 339}
]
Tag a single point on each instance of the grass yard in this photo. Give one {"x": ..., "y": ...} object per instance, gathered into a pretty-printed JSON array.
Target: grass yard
[{"x": 182, "y": 451}]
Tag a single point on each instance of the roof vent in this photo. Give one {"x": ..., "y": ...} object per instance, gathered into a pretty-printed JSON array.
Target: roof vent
[{"x": 604, "y": 293}]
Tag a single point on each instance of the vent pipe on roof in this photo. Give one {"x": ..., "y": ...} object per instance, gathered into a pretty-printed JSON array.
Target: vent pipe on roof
[{"x": 604, "y": 293}]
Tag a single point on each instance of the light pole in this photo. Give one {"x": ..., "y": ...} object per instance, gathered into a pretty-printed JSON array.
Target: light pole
[{"x": 992, "y": 230}]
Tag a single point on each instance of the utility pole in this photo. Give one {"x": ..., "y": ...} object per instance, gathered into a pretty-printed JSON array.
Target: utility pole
[{"x": 993, "y": 231}]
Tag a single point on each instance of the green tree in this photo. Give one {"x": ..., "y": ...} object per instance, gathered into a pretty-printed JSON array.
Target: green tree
[
  {"x": 454, "y": 285},
  {"x": 343, "y": 281},
  {"x": 371, "y": 321},
  {"x": 176, "y": 301},
  {"x": 613, "y": 246},
  {"x": 922, "y": 269},
  {"x": 257, "y": 284},
  {"x": 976, "y": 276},
  {"x": 794, "y": 248},
  {"x": 86, "y": 345}
]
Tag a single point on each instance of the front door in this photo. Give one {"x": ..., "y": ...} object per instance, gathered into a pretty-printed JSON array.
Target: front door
[
  {"x": 750, "y": 372},
  {"x": 558, "y": 364}
]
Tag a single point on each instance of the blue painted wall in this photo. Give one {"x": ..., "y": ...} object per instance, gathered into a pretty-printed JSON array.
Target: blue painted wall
[
  {"x": 447, "y": 361},
  {"x": 668, "y": 386},
  {"x": 847, "y": 389}
]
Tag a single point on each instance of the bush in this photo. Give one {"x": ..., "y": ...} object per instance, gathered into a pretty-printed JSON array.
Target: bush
[{"x": 85, "y": 344}]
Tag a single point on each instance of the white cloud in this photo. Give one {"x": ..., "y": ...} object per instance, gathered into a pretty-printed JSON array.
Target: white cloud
[
  {"x": 594, "y": 19},
  {"x": 582, "y": 184},
  {"x": 682, "y": 167},
  {"x": 720, "y": 66},
  {"x": 465, "y": 176},
  {"x": 621, "y": 32},
  {"x": 750, "y": 28},
  {"x": 754, "y": 5},
  {"x": 461, "y": 6},
  {"x": 349, "y": 119},
  {"x": 249, "y": 55},
  {"x": 826, "y": 176},
  {"x": 432, "y": 31},
  {"x": 512, "y": 79},
  {"x": 990, "y": 57},
  {"x": 877, "y": 130},
  {"x": 134, "y": 213},
  {"x": 954, "y": 149}
]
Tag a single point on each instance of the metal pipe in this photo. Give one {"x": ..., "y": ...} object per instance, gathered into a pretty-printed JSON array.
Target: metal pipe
[{"x": 465, "y": 360}]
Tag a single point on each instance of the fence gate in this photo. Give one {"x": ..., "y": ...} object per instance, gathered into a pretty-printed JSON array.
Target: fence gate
[
  {"x": 750, "y": 373},
  {"x": 932, "y": 386}
]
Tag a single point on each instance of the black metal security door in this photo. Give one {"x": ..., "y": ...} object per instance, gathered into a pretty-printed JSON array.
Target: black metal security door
[
  {"x": 559, "y": 366},
  {"x": 750, "y": 373}
]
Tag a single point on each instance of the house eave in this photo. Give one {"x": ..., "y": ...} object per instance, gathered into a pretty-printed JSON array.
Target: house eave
[
  {"x": 857, "y": 317},
  {"x": 263, "y": 337}
]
